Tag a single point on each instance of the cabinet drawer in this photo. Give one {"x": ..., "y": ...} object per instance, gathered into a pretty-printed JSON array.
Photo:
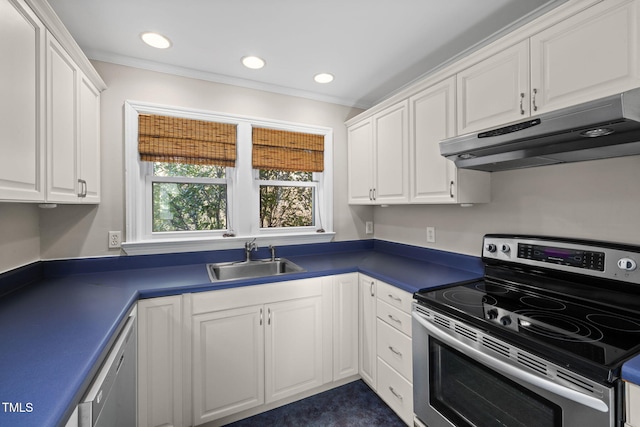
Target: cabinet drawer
[
  {"x": 396, "y": 391},
  {"x": 632, "y": 403},
  {"x": 395, "y": 297},
  {"x": 394, "y": 347},
  {"x": 394, "y": 317}
]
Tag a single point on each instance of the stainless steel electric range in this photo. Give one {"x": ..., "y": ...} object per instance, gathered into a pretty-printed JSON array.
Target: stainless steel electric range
[{"x": 538, "y": 341}]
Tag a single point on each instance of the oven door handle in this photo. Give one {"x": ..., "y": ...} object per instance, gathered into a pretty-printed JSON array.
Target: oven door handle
[{"x": 505, "y": 368}]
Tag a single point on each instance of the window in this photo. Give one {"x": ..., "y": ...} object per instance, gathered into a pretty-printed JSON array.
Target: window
[
  {"x": 262, "y": 179},
  {"x": 188, "y": 197},
  {"x": 287, "y": 199}
]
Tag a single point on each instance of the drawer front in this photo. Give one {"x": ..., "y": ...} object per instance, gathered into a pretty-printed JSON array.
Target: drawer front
[
  {"x": 396, "y": 391},
  {"x": 394, "y": 347},
  {"x": 395, "y": 297},
  {"x": 394, "y": 317}
]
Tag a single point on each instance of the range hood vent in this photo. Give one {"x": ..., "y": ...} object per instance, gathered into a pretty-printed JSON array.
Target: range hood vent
[{"x": 600, "y": 129}]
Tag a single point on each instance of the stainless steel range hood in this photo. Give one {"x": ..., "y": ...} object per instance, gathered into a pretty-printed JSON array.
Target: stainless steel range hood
[{"x": 607, "y": 127}]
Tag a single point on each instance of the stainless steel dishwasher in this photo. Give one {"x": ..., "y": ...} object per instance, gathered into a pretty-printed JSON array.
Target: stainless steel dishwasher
[{"x": 111, "y": 399}]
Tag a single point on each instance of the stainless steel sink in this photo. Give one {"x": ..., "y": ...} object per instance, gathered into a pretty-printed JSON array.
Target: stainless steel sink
[{"x": 255, "y": 268}]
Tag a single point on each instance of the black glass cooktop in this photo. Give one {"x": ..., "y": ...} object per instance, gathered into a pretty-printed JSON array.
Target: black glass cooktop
[{"x": 597, "y": 332}]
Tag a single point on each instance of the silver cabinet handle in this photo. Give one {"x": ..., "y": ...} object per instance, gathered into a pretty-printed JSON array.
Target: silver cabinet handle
[
  {"x": 268, "y": 316},
  {"x": 371, "y": 290},
  {"x": 260, "y": 317},
  {"x": 451, "y": 189},
  {"x": 374, "y": 194},
  {"x": 394, "y": 319},
  {"x": 396, "y": 394},
  {"x": 83, "y": 188},
  {"x": 395, "y": 298},
  {"x": 394, "y": 351},
  {"x": 370, "y": 194},
  {"x": 521, "y": 103},
  {"x": 533, "y": 99},
  {"x": 508, "y": 369}
]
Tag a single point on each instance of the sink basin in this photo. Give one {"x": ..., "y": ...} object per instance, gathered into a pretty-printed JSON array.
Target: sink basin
[{"x": 254, "y": 268}]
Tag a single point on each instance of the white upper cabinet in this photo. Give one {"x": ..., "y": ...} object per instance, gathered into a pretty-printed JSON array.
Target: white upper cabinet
[
  {"x": 360, "y": 168},
  {"x": 588, "y": 56},
  {"x": 73, "y": 143},
  {"x": 433, "y": 178},
  {"x": 378, "y": 157},
  {"x": 22, "y": 103},
  {"x": 391, "y": 130},
  {"x": 494, "y": 91},
  {"x": 62, "y": 125},
  {"x": 89, "y": 141},
  {"x": 49, "y": 110}
]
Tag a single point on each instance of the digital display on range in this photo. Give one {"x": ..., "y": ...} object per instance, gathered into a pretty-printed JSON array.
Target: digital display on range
[{"x": 563, "y": 256}]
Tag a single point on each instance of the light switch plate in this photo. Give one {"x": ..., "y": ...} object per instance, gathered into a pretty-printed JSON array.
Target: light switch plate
[{"x": 431, "y": 234}]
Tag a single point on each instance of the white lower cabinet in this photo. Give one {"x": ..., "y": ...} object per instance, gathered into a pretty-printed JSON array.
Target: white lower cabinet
[
  {"x": 345, "y": 326},
  {"x": 632, "y": 404},
  {"x": 367, "y": 329},
  {"x": 228, "y": 362},
  {"x": 255, "y": 345},
  {"x": 208, "y": 356},
  {"x": 394, "y": 363},
  {"x": 160, "y": 374}
]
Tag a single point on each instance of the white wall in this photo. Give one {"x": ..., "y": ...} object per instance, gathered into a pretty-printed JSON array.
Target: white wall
[
  {"x": 81, "y": 231},
  {"x": 594, "y": 200},
  {"x": 20, "y": 241}
]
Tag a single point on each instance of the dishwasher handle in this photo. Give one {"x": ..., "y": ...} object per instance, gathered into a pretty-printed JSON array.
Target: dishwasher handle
[{"x": 93, "y": 402}]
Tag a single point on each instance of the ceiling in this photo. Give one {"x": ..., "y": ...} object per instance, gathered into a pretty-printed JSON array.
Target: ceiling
[{"x": 372, "y": 47}]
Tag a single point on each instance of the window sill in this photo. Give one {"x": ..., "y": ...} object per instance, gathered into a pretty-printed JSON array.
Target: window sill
[{"x": 153, "y": 247}]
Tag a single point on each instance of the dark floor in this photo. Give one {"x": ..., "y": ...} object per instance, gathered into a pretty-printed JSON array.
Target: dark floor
[{"x": 350, "y": 405}]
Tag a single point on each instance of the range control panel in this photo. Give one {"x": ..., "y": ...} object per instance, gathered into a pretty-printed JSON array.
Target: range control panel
[{"x": 600, "y": 259}]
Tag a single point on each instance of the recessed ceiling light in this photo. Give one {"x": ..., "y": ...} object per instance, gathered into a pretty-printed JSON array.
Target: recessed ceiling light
[
  {"x": 323, "y": 78},
  {"x": 253, "y": 62},
  {"x": 155, "y": 40}
]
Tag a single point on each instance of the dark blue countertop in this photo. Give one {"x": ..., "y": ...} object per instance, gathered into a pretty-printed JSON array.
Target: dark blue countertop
[{"x": 58, "y": 318}]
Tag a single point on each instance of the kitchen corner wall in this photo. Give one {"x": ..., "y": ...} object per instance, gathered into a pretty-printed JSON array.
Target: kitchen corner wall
[
  {"x": 81, "y": 231},
  {"x": 593, "y": 200}
]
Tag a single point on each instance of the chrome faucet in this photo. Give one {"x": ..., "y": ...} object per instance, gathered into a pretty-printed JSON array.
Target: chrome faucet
[
  {"x": 273, "y": 252},
  {"x": 248, "y": 247}
]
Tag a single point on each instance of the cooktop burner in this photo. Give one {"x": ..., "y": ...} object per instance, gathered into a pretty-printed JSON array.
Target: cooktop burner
[{"x": 547, "y": 295}]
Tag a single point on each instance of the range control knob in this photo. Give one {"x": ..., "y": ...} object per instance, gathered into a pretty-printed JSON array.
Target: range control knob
[
  {"x": 504, "y": 248},
  {"x": 627, "y": 264},
  {"x": 492, "y": 314},
  {"x": 490, "y": 247},
  {"x": 505, "y": 320}
]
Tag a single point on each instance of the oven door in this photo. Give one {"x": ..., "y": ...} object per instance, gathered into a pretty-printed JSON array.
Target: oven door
[{"x": 459, "y": 380}]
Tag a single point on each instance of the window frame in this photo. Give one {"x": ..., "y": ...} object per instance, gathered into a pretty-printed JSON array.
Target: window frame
[{"x": 243, "y": 223}]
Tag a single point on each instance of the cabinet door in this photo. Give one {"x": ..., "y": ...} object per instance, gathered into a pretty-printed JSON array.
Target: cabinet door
[
  {"x": 62, "y": 130},
  {"x": 89, "y": 141},
  {"x": 588, "y": 56},
  {"x": 228, "y": 362},
  {"x": 391, "y": 128},
  {"x": 22, "y": 47},
  {"x": 494, "y": 91},
  {"x": 360, "y": 158},
  {"x": 160, "y": 362},
  {"x": 293, "y": 347},
  {"x": 367, "y": 336},
  {"x": 432, "y": 119},
  {"x": 345, "y": 326}
]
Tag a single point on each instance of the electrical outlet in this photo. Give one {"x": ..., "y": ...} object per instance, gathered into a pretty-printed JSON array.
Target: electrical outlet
[
  {"x": 115, "y": 239},
  {"x": 431, "y": 234},
  {"x": 368, "y": 227}
]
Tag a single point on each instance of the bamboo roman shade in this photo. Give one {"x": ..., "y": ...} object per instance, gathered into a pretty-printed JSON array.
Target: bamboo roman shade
[
  {"x": 289, "y": 151},
  {"x": 178, "y": 140}
]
